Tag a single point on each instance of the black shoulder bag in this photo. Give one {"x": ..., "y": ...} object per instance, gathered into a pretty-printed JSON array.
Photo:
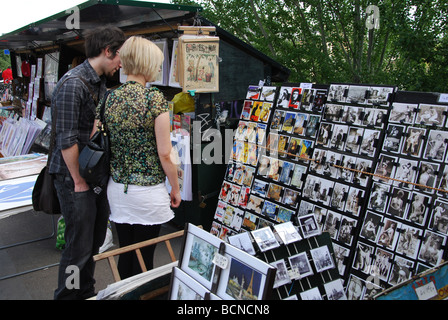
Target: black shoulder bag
[{"x": 94, "y": 159}]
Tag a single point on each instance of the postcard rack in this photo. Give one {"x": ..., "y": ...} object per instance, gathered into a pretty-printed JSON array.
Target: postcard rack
[{"x": 357, "y": 161}]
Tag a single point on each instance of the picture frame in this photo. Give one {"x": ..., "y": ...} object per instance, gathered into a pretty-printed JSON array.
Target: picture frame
[
  {"x": 258, "y": 277},
  {"x": 185, "y": 287},
  {"x": 197, "y": 254},
  {"x": 199, "y": 57}
]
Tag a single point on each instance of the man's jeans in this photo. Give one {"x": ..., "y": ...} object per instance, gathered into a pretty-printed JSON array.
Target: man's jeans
[{"x": 86, "y": 215}]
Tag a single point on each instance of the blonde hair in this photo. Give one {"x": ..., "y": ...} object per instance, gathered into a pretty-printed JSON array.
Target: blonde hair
[{"x": 139, "y": 56}]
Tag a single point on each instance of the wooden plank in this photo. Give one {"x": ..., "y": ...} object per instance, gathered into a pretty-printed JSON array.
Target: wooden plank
[
  {"x": 140, "y": 260},
  {"x": 113, "y": 267}
]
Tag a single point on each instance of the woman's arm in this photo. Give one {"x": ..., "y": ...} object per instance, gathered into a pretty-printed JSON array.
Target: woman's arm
[{"x": 162, "y": 130}]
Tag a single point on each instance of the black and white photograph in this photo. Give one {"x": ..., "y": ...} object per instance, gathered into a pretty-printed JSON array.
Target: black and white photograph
[
  {"x": 338, "y": 137},
  {"x": 331, "y": 224},
  {"x": 439, "y": 217},
  {"x": 322, "y": 258},
  {"x": 309, "y": 225},
  {"x": 363, "y": 167},
  {"x": 265, "y": 239},
  {"x": 443, "y": 183},
  {"x": 385, "y": 168},
  {"x": 355, "y": 288},
  {"x": 401, "y": 270},
  {"x": 318, "y": 189},
  {"x": 380, "y": 95},
  {"x": 335, "y": 290},
  {"x": 431, "y": 250},
  {"x": 363, "y": 257},
  {"x": 339, "y": 196},
  {"x": 324, "y": 135},
  {"x": 398, "y": 203},
  {"x": 242, "y": 241},
  {"x": 346, "y": 234},
  {"x": 341, "y": 255},
  {"x": 307, "y": 98},
  {"x": 369, "y": 142},
  {"x": 413, "y": 141},
  {"x": 393, "y": 138},
  {"x": 333, "y": 112},
  {"x": 378, "y": 197},
  {"x": 346, "y": 173},
  {"x": 408, "y": 241},
  {"x": 337, "y": 92},
  {"x": 283, "y": 97},
  {"x": 382, "y": 264},
  {"x": 430, "y": 115},
  {"x": 389, "y": 235},
  {"x": 357, "y": 94},
  {"x": 282, "y": 275},
  {"x": 300, "y": 266},
  {"x": 352, "y": 115},
  {"x": 355, "y": 201},
  {"x": 427, "y": 176},
  {"x": 287, "y": 232},
  {"x": 305, "y": 208},
  {"x": 418, "y": 208},
  {"x": 311, "y": 294},
  {"x": 403, "y": 113},
  {"x": 354, "y": 138},
  {"x": 436, "y": 145},
  {"x": 371, "y": 226},
  {"x": 268, "y": 93},
  {"x": 405, "y": 173}
]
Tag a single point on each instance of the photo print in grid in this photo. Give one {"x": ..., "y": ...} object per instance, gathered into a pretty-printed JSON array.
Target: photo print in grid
[
  {"x": 352, "y": 115},
  {"x": 406, "y": 173},
  {"x": 418, "y": 208},
  {"x": 371, "y": 226},
  {"x": 431, "y": 115},
  {"x": 401, "y": 270},
  {"x": 399, "y": 202},
  {"x": 427, "y": 176},
  {"x": 283, "y": 97},
  {"x": 337, "y": 92},
  {"x": 402, "y": 113},
  {"x": 436, "y": 145},
  {"x": 408, "y": 241},
  {"x": 413, "y": 141},
  {"x": 392, "y": 141},
  {"x": 432, "y": 248},
  {"x": 439, "y": 217},
  {"x": 322, "y": 258},
  {"x": 300, "y": 266}
]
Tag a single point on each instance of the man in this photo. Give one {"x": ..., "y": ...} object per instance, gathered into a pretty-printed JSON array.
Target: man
[{"x": 85, "y": 210}]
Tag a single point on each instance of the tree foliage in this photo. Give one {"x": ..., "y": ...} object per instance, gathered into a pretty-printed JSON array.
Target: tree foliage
[{"x": 333, "y": 41}]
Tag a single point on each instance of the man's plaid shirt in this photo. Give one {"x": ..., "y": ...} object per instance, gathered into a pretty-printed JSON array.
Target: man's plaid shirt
[{"x": 75, "y": 108}]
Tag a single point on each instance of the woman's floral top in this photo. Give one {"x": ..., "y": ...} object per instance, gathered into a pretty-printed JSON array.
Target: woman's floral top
[{"x": 130, "y": 114}]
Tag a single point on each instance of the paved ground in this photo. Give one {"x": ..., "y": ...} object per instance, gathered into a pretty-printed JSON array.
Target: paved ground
[{"x": 29, "y": 271}]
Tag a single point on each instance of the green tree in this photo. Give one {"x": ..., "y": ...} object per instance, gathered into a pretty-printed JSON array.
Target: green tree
[
  {"x": 5, "y": 60},
  {"x": 334, "y": 41}
]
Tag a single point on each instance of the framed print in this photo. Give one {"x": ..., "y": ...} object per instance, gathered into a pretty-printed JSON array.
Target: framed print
[
  {"x": 245, "y": 277},
  {"x": 281, "y": 275},
  {"x": 163, "y": 75},
  {"x": 436, "y": 145},
  {"x": 402, "y": 113},
  {"x": 243, "y": 242},
  {"x": 200, "y": 61},
  {"x": 300, "y": 266},
  {"x": 431, "y": 115},
  {"x": 199, "y": 249},
  {"x": 371, "y": 226},
  {"x": 265, "y": 239},
  {"x": 322, "y": 258},
  {"x": 287, "y": 232},
  {"x": 184, "y": 287},
  {"x": 174, "y": 73},
  {"x": 413, "y": 141}
]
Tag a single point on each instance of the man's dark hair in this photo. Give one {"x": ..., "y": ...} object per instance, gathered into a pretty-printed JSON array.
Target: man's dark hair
[{"x": 102, "y": 37}]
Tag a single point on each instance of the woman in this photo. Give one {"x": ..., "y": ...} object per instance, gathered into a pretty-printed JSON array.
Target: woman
[{"x": 139, "y": 126}]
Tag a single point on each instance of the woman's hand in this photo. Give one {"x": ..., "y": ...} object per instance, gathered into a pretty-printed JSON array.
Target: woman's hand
[{"x": 175, "y": 199}]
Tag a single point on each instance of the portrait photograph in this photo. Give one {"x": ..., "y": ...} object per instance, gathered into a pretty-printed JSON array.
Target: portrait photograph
[
  {"x": 427, "y": 176},
  {"x": 436, "y": 145},
  {"x": 338, "y": 137},
  {"x": 355, "y": 201},
  {"x": 354, "y": 138},
  {"x": 324, "y": 135},
  {"x": 352, "y": 115},
  {"x": 398, "y": 203},
  {"x": 346, "y": 234},
  {"x": 363, "y": 167},
  {"x": 401, "y": 270},
  {"x": 371, "y": 226},
  {"x": 388, "y": 235},
  {"x": 408, "y": 241},
  {"x": 283, "y": 97},
  {"x": 369, "y": 142},
  {"x": 418, "y": 208},
  {"x": 383, "y": 263},
  {"x": 378, "y": 197},
  {"x": 431, "y": 249},
  {"x": 184, "y": 287},
  {"x": 405, "y": 173},
  {"x": 439, "y": 217}
]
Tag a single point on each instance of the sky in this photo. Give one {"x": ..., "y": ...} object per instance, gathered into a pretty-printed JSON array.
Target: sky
[{"x": 19, "y": 13}]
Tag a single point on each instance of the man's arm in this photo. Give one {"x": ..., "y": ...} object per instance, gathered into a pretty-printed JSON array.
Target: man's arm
[{"x": 71, "y": 156}]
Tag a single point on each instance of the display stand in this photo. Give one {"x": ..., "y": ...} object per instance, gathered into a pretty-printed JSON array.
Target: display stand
[{"x": 354, "y": 160}]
